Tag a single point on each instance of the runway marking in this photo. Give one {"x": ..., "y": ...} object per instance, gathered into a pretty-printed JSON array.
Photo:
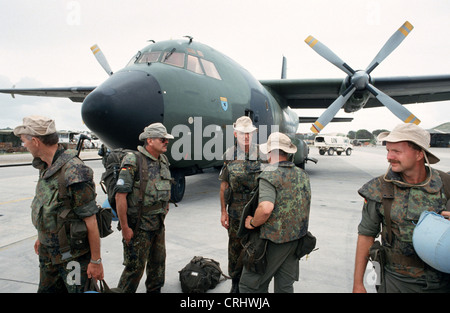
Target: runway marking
[
  {"x": 18, "y": 200},
  {"x": 16, "y": 242}
]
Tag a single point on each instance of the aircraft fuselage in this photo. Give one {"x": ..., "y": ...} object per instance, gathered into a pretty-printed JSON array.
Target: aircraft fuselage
[{"x": 181, "y": 85}]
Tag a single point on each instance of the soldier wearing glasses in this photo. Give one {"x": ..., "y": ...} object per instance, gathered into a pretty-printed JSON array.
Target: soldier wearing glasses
[{"x": 142, "y": 223}]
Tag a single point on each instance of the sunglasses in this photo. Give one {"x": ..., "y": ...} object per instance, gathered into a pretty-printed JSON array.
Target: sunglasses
[{"x": 163, "y": 140}]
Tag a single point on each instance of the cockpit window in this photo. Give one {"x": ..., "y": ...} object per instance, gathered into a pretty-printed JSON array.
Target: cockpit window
[
  {"x": 193, "y": 64},
  {"x": 173, "y": 58},
  {"x": 195, "y": 61},
  {"x": 149, "y": 57},
  {"x": 210, "y": 69}
]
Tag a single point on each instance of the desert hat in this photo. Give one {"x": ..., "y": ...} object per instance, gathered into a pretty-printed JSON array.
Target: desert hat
[
  {"x": 36, "y": 125},
  {"x": 278, "y": 141},
  {"x": 244, "y": 125},
  {"x": 413, "y": 133},
  {"x": 155, "y": 130}
]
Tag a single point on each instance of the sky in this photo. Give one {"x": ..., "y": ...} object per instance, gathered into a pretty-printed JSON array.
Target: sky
[{"x": 46, "y": 43}]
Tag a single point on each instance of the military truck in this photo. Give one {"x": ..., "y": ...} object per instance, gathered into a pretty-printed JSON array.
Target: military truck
[{"x": 330, "y": 144}]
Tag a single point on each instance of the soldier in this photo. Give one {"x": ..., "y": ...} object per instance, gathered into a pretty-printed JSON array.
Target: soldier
[
  {"x": 66, "y": 224},
  {"x": 282, "y": 217},
  {"x": 142, "y": 217},
  {"x": 395, "y": 201},
  {"x": 242, "y": 165}
]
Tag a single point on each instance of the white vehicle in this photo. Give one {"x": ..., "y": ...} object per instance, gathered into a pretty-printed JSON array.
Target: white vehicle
[{"x": 331, "y": 144}]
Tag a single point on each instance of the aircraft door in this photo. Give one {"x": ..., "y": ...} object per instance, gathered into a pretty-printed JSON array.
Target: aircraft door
[{"x": 260, "y": 112}]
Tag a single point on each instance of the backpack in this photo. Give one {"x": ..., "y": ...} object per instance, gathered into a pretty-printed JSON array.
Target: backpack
[
  {"x": 200, "y": 274},
  {"x": 111, "y": 175},
  {"x": 113, "y": 161}
]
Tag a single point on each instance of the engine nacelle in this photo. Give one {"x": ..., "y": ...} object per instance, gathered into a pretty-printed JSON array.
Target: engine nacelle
[{"x": 301, "y": 156}]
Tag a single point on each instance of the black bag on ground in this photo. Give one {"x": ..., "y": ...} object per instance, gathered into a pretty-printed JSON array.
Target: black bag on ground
[{"x": 200, "y": 275}]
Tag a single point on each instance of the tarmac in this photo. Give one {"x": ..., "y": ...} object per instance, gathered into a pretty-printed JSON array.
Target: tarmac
[{"x": 193, "y": 228}]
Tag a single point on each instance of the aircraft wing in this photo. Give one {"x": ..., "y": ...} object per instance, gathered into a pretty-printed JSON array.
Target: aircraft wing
[
  {"x": 320, "y": 93},
  {"x": 76, "y": 94}
]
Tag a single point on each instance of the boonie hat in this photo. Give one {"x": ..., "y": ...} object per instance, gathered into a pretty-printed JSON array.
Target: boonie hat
[
  {"x": 244, "y": 125},
  {"x": 413, "y": 133},
  {"x": 278, "y": 141},
  {"x": 36, "y": 125},
  {"x": 155, "y": 130}
]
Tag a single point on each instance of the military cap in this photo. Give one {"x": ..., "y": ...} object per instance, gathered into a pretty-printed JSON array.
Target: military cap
[
  {"x": 413, "y": 133},
  {"x": 155, "y": 130},
  {"x": 278, "y": 141},
  {"x": 36, "y": 125}
]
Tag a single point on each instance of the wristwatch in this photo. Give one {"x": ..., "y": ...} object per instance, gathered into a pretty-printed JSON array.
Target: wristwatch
[
  {"x": 251, "y": 223},
  {"x": 99, "y": 261}
]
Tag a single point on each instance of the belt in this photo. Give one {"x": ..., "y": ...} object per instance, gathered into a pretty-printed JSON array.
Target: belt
[{"x": 154, "y": 207}]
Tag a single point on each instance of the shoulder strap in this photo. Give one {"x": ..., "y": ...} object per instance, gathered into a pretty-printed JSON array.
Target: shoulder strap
[
  {"x": 387, "y": 190},
  {"x": 143, "y": 178}
]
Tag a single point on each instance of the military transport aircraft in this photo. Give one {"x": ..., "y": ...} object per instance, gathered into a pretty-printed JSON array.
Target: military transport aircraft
[{"x": 183, "y": 82}]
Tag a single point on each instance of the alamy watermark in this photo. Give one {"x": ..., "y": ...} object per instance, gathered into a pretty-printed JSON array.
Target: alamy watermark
[{"x": 189, "y": 142}]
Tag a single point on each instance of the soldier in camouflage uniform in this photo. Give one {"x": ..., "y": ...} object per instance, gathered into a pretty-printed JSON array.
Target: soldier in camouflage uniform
[
  {"x": 242, "y": 165},
  {"x": 413, "y": 188},
  {"x": 67, "y": 227},
  {"x": 282, "y": 216},
  {"x": 142, "y": 226}
]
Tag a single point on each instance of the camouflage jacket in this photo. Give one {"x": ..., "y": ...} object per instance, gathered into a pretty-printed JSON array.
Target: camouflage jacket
[
  {"x": 240, "y": 170},
  {"x": 408, "y": 203},
  {"x": 290, "y": 216},
  {"x": 46, "y": 207},
  {"x": 157, "y": 191}
]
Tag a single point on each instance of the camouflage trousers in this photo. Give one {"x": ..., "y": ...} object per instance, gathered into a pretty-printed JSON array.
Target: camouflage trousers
[
  {"x": 146, "y": 250},
  {"x": 234, "y": 249},
  {"x": 282, "y": 266},
  {"x": 67, "y": 277}
]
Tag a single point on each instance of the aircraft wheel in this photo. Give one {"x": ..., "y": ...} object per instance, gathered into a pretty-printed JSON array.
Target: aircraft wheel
[{"x": 178, "y": 187}]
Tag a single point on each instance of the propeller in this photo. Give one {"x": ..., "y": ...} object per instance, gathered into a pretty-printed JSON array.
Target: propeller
[
  {"x": 101, "y": 59},
  {"x": 360, "y": 80}
]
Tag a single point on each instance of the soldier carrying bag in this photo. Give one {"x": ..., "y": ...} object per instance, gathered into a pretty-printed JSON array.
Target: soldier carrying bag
[{"x": 253, "y": 255}]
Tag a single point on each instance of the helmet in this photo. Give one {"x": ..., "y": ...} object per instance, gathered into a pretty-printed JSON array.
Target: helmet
[{"x": 431, "y": 240}]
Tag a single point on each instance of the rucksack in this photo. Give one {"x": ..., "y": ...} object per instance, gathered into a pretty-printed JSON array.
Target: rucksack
[
  {"x": 111, "y": 174},
  {"x": 200, "y": 275}
]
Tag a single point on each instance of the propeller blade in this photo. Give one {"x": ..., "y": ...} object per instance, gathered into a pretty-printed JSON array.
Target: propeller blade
[
  {"x": 101, "y": 59},
  {"x": 399, "y": 110},
  {"x": 332, "y": 110},
  {"x": 329, "y": 55},
  {"x": 392, "y": 43}
]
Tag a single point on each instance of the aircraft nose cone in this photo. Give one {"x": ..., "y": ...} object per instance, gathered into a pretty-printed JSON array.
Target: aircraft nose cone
[{"x": 118, "y": 110}]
